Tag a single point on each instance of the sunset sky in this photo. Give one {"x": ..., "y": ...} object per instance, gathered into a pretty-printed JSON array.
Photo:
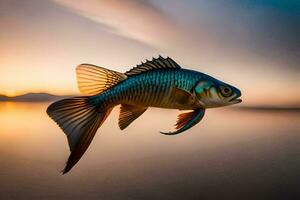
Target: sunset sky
[{"x": 252, "y": 44}]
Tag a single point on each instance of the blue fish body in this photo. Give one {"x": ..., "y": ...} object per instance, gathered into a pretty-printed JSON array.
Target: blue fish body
[{"x": 158, "y": 83}]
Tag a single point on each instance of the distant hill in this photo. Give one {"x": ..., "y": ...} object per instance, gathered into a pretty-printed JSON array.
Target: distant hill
[{"x": 32, "y": 97}]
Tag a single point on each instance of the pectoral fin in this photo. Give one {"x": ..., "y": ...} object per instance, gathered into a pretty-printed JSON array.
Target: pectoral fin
[
  {"x": 128, "y": 114},
  {"x": 183, "y": 97},
  {"x": 186, "y": 121}
]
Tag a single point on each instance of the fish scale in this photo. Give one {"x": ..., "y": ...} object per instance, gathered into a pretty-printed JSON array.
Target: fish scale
[{"x": 148, "y": 89}]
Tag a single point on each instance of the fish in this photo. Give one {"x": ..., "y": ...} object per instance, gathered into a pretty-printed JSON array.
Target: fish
[{"x": 160, "y": 83}]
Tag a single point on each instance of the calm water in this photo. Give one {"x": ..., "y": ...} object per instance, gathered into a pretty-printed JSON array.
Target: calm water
[{"x": 231, "y": 154}]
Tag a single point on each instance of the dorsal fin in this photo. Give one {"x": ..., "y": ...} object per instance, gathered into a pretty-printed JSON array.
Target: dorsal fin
[
  {"x": 155, "y": 63},
  {"x": 93, "y": 79}
]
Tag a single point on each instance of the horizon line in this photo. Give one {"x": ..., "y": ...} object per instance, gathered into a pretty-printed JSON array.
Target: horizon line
[{"x": 258, "y": 107}]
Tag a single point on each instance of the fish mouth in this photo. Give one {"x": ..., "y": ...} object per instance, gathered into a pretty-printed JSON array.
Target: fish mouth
[{"x": 235, "y": 100}]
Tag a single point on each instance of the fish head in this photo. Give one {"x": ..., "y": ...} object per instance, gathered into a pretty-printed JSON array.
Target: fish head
[{"x": 213, "y": 93}]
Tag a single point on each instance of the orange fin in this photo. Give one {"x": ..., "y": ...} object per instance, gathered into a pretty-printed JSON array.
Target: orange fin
[
  {"x": 128, "y": 114},
  {"x": 186, "y": 121},
  {"x": 93, "y": 79}
]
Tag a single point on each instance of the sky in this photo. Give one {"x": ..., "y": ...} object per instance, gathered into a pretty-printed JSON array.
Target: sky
[{"x": 251, "y": 44}]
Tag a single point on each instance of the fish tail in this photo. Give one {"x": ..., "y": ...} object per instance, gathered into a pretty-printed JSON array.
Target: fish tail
[{"x": 79, "y": 118}]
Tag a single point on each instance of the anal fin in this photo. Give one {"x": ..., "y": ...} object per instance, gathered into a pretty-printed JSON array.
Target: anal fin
[
  {"x": 129, "y": 113},
  {"x": 186, "y": 121}
]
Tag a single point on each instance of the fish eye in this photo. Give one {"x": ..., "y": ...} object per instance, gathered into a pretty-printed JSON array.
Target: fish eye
[{"x": 226, "y": 91}]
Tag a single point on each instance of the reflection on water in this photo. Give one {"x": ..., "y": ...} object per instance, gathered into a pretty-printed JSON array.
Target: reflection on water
[{"x": 230, "y": 154}]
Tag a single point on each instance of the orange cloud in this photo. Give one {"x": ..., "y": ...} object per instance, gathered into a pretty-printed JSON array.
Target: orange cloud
[{"x": 138, "y": 20}]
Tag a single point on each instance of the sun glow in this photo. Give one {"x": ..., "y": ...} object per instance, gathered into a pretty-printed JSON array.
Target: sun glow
[{"x": 10, "y": 93}]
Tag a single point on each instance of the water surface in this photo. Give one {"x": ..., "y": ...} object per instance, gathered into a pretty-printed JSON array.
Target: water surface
[{"x": 236, "y": 154}]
